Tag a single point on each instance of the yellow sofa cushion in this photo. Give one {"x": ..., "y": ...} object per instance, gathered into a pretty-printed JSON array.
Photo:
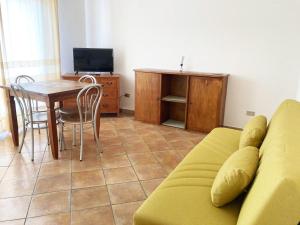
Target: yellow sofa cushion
[
  {"x": 234, "y": 176},
  {"x": 254, "y": 132},
  {"x": 183, "y": 198}
]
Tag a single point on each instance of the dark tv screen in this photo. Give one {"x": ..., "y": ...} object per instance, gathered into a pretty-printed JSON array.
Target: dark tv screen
[{"x": 93, "y": 60}]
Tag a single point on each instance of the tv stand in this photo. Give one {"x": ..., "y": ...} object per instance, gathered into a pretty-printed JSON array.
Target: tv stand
[
  {"x": 94, "y": 73},
  {"x": 110, "y": 102}
]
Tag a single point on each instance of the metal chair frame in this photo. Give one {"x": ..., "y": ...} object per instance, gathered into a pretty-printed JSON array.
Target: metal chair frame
[
  {"x": 25, "y": 104},
  {"x": 28, "y": 79},
  {"x": 88, "y": 103},
  {"x": 83, "y": 79}
]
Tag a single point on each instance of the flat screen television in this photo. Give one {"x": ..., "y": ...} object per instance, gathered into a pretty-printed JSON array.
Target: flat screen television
[{"x": 93, "y": 60}]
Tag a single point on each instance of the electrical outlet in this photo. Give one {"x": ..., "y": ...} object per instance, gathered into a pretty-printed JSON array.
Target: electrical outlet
[
  {"x": 250, "y": 113},
  {"x": 127, "y": 95}
]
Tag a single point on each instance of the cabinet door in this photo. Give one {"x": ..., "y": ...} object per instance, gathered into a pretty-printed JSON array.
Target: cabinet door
[
  {"x": 147, "y": 97},
  {"x": 204, "y": 103}
]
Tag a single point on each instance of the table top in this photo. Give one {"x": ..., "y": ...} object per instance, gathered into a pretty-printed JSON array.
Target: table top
[{"x": 52, "y": 87}]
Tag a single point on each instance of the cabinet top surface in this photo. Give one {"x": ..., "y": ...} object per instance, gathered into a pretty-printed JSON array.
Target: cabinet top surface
[
  {"x": 183, "y": 73},
  {"x": 100, "y": 76}
]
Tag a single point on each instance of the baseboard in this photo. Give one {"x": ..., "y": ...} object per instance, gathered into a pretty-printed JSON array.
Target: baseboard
[{"x": 127, "y": 112}]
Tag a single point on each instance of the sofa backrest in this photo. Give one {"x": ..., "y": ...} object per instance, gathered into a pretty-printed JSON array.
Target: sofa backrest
[{"x": 274, "y": 197}]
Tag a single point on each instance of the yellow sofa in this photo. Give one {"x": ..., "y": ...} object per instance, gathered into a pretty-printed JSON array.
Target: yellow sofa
[{"x": 183, "y": 198}]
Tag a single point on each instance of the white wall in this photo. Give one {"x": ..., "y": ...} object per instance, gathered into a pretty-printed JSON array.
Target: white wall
[
  {"x": 98, "y": 23},
  {"x": 298, "y": 94},
  {"x": 257, "y": 42},
  {"x": 72, "y": 30}
]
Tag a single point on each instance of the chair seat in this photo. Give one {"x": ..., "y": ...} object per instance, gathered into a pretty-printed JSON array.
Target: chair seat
[
  {"x": 68, "y": 110},
  {"x": 74, "y": 117}
]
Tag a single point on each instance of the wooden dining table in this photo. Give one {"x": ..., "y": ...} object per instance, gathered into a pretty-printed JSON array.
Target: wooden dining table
[{"x": 49, "y": 92}]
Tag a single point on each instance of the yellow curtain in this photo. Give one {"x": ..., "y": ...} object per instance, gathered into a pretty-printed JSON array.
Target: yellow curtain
[{"x": 29, "y": 43}]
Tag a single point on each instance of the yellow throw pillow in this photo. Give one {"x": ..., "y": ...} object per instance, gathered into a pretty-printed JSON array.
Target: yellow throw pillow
[
  {"x": 234, "y": 176},
  {"x": 254, "y": 132}
]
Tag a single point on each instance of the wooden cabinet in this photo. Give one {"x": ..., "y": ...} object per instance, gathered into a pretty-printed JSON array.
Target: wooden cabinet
[
  {"x": 111, "y": 92},
  {"x": 147, "y": 97},
  {"x": 204, "y": 103},
  {"x": 187, "y": 100}
]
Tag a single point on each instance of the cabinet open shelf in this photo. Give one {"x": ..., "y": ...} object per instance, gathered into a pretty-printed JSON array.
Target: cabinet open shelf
[
  {"x": 174, "y": 123},
  {"x": 172, "y": 98}
]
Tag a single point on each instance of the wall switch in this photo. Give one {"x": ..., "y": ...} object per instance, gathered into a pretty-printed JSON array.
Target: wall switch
[
  {"x": 127, "y": 95},
  {"x": 250, "y": 113}
]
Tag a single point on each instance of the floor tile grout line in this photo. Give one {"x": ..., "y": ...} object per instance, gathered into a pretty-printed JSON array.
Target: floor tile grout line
[
  {"x": 145, "y": 195},
  {"x": 112, "y": 211},
  {"x": 15, "y": 152},
  {"x": 35, "y": 184}
]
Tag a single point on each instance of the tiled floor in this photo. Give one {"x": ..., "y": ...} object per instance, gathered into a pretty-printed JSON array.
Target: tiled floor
[{"x": 100, "y": 190}]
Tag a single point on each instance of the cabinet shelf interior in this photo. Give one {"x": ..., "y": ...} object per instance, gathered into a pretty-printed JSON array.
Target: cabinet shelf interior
[
  {"x": 172, "y": 98},
  {"x": 174, "y": 123}
]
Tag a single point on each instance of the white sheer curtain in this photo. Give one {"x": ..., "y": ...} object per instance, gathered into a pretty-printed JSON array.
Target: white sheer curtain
[{"x": 29, "y": 43}]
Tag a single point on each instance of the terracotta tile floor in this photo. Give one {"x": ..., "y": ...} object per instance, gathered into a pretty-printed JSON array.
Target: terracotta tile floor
[{"x": 102, "y": 189}]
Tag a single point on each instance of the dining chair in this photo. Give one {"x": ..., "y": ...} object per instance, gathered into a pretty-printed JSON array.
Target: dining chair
[
  {"x": 71, "y": 110},
  {"x": 88, "y": 102},
  {"x": 30, "y": 118},
  {"x": 36, "y": 104}
]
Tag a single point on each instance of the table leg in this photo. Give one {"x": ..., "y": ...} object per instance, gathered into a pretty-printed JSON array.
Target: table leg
[
  {"x": 52, "y": 128},
  {"x": 98, "y": 123},
  {"x": 13, "y": 119}
]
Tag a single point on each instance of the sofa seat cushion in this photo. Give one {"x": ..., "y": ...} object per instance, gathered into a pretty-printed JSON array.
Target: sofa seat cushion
[{"x": 183, "y": 198}]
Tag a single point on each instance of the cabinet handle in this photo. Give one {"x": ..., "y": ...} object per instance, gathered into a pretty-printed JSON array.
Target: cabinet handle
[
  {"x": 105, "y": 95},
  {"x": 109, "y": 83},
  {"x": 206, "y": 82}
]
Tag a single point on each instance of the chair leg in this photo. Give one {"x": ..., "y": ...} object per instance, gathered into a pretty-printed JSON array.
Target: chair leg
[
  {"x": 81, "y": 141},
  {"x": 32, "y": 142},
  {"x": 23, "y": 137},
  {"x": 24, "y": 131},
  {"x": 74, "y": 135},
  {"x": 62, "y": 138},
  {"x": 47, "y": 133}
]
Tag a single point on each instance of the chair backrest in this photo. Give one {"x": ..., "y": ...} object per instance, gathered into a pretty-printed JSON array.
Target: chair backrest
[
  {"x": 88, "y": 101},
  {"x": 24, "y": 101},
  {"x": 88, "y": 79},
  {"x": 24, "y": 79}
]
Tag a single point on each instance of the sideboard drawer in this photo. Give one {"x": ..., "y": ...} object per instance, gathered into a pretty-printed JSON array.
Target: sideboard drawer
[
  {"x": 109, "y": 105},
  {"x": 110, "y": 93},
  {"x": 108, "y": 83}
]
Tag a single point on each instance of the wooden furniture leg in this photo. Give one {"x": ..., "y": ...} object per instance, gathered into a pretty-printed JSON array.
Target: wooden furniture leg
[
  {"x": 98, "y": 124},
  {"x": 52, "y": 128},
  {"x": 13, "y": 119}
]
